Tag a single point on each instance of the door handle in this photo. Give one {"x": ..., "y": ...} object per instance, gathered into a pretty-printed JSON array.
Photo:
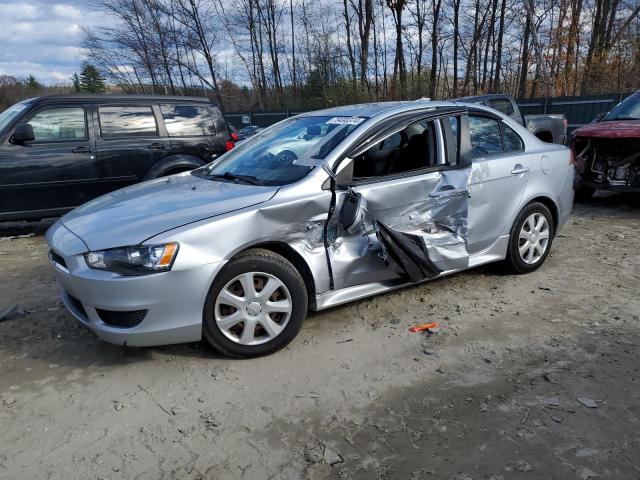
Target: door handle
[
  {"x": 519, "y": 170},
  {"x": 157, "y": 146},
  {"x": 81, "y": 150}
]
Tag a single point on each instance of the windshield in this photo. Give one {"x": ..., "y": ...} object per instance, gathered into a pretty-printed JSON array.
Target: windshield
[
  {"x": 10, "y": 114},
  {"x": 283, "y": 153},
  {"x": 628, "y": 109}
]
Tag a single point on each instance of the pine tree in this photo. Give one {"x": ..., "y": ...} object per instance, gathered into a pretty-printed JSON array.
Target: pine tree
[
  {"x": 32, "y": 83},
  {"x": 76, "y": 82},
  {"x": 90, "y": 80}
]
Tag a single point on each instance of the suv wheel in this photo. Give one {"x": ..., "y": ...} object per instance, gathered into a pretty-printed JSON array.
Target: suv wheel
[
  {"x": 531, "y": 237},
  {"x": 255, "y": 306}
]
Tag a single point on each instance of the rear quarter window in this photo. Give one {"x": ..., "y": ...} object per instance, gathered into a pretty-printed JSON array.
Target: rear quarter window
[
  {"x": 127, "y": 121},
  {"x": 187, "y": 120}
]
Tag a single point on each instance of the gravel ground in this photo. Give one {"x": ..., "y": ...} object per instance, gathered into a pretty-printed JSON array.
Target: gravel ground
[{"x": 533, "y": 376}]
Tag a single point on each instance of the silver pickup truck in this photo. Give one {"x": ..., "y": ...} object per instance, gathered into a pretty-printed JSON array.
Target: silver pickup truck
[{"x": 551, "y": 128}]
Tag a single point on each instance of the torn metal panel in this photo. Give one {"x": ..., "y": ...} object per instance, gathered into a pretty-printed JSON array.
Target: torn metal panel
[{"x": 431, "y": 208}]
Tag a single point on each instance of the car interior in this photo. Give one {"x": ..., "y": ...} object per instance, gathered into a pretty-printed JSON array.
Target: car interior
[{"x": 410, "y": 149}]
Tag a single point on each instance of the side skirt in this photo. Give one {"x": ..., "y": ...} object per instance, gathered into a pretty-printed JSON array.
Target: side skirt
[{"x": 329, "y": 299}]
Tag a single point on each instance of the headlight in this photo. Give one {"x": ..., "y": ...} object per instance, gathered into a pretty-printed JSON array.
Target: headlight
[{"x": 136, "y": 260}]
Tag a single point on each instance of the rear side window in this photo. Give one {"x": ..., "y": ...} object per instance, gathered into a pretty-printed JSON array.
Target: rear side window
[
  {"x": 59, "y": 124},
  {"x": 502, "y": 105},
  {"x": 133, "y": 121},
  {"x": 486, "y": 138},
  {"x": 187, "y": 120},
  {"x": 492, "y": 137}
]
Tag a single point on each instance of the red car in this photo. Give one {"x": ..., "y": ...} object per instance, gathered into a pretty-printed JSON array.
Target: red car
[{"x": 608, "y": 151}]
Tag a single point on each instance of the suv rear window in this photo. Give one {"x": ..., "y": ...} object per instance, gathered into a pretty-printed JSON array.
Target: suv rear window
[
  {"x": 187, "y": 121},
  {"x": 127, "y": 121},
  {"x": 502, "y": 105}
]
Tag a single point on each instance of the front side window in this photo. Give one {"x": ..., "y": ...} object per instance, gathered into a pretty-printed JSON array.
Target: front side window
[
  {"x": 187, "y": 121},
  {"x": 413, "y": 148},
  {"x": 59, "y": 124},
  {"x": 127, "y": 121},
  {"x": 486, "y": 138},
  {"x": 283, "y": 153}
]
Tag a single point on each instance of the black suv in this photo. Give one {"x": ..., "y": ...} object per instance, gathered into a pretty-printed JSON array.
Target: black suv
[{"x": 59, "y": 151}]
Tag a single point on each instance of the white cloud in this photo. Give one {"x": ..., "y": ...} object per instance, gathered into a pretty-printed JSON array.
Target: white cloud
[{"x": 43, "y": 38}]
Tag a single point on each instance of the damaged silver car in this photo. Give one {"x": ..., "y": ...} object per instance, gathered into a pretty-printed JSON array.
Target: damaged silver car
[{"x": 316, "y": 211}]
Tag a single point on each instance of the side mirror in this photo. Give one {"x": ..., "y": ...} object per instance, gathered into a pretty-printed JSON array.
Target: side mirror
[
  {"x": 353, "y": 212},
  {"x": 22, "y": 133}
]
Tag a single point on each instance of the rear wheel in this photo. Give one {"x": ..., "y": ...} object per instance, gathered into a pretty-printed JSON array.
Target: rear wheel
[
  {"x": 255, "y": 306},
  {"x": 531, "y": 237}
]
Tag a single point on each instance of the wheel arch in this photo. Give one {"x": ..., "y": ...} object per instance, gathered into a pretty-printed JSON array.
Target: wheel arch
[
  {"x": 299, "y": 263},
  {"x": 550, "y": 204},
  {"x": 173, "y": 164}
]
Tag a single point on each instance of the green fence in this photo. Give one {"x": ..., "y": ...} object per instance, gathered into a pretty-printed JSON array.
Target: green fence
[{"x": 577, "y": 110}]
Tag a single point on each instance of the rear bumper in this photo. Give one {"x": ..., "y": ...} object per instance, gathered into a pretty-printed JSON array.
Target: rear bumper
[
  {"x": 172, "y": 302},
  {"x": 608, "y": 187},
  {"x": 565, "y": 198}
]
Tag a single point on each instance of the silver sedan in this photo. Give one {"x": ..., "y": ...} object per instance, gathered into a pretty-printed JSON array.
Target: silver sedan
[{"x": 318, "y": 210}]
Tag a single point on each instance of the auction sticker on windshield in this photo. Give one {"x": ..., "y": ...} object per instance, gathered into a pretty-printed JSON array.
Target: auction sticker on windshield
[{"x": 345, "y": 121}]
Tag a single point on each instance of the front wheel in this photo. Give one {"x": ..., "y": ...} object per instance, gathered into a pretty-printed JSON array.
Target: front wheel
[
  {"x": 531, "y": 237},
  {"x": 255, "y": 306}
]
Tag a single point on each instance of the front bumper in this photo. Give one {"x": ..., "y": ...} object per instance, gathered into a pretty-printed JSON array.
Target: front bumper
[{"x": 173, "y": 301}]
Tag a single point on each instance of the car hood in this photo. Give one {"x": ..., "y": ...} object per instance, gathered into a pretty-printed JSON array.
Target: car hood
[
  {"x": 131, "y": 215},
  {"x": 610, "y": 129}
]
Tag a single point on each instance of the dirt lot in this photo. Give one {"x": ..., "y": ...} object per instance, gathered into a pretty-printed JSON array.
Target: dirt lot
[{"x": 533, "y": 376}]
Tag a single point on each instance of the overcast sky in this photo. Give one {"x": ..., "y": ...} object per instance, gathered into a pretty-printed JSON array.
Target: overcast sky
[{"x": 43, "y": 37}]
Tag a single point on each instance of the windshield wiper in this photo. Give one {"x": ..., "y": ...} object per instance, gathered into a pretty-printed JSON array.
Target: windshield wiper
[{"x": 250, "y": 179}]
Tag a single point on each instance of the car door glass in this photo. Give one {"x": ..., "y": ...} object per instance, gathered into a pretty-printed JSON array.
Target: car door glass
[
  {"x": 512, "y": 141},
  {"x": 132, "y": 121},
  {"x": 486, "y": 138},
  {"x": 451, "y": 131},
  {"x": 187, "y": 121},
  {"x": 59, "y": 124},
  {"x": 502, "y": 105},
  {"x": 412, "y": 148}
]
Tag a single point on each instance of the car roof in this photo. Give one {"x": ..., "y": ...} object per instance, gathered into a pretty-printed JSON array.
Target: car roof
[
  {"x": 115, "y": 98},
  {"x": 481, "y": 98},
  {"x": 377, "y": 108}
]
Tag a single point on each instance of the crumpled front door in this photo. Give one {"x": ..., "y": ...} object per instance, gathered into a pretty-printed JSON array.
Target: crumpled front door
[{"x": 414, "y": 228}]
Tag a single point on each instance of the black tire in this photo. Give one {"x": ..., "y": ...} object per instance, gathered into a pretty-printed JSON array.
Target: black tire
[
  {"x": 514, "y": 262},
  {"x": 265, "y": 261},
  {"x": 584, "y": 194}
]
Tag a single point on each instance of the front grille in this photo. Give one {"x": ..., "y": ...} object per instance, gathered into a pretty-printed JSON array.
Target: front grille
[
  {"x": 58, "y": 259},
  {"x": 121, "y": 319},
  {"x": 77, "y": 305}
]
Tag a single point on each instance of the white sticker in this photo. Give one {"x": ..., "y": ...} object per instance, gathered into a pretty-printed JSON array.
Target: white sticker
[{"x": 345, "y": 121}]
